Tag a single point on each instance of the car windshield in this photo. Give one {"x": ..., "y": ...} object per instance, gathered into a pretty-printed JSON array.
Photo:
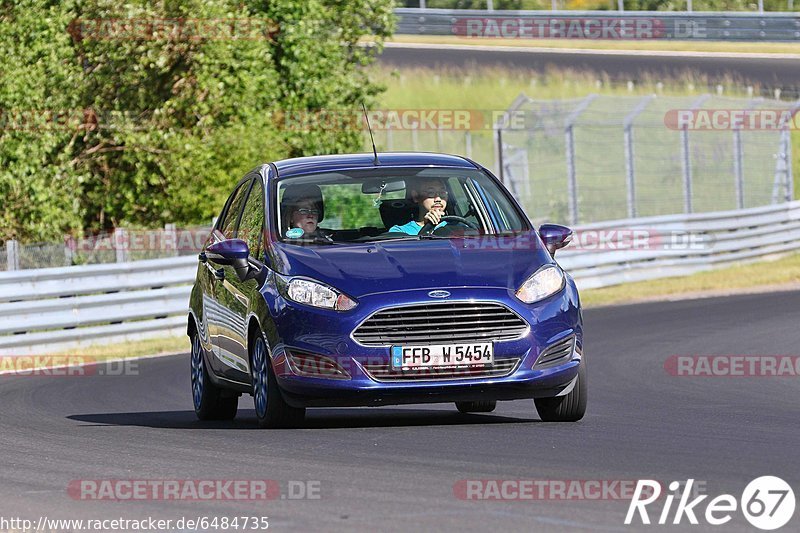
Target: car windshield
[{"x": 392, "y": 204}]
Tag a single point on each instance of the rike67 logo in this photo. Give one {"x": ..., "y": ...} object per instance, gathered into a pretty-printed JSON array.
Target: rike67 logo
[{"x": 767, "y": 502}]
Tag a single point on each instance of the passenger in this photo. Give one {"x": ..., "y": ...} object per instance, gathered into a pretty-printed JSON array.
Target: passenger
[
  {"x": 302, "y": 207},
  {"x": 430, "y": 195}
]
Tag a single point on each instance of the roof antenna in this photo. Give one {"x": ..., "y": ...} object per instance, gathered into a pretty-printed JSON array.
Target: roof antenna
[{"x": 371, "y": 138}]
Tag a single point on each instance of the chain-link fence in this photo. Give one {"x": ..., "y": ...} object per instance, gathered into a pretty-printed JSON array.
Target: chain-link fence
[
  {"x": 119, "y": 246},
  {"x": 608, "y": 157}
]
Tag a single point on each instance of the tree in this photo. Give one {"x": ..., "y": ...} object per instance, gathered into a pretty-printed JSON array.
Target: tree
[{"x": 167, "y": 104}]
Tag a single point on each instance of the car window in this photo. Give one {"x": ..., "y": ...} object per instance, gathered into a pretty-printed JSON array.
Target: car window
[
  {"x": 504, "y": 216},
  {"x": 348, "y": 207},
  {"x": 252, "y": 224},
  {"x": 228, "y": 225},
  {"x": 367, "y": 205}
]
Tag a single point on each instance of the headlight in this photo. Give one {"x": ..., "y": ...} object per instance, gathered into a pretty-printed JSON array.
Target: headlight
[
  {"x": 547, "y": 281},
  {"x": 308, "y": 292}
]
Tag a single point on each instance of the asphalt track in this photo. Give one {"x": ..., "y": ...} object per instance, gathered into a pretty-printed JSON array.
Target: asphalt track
[
  {"x": 767, "y": 73},
  {"x": 394, "y": 468}
]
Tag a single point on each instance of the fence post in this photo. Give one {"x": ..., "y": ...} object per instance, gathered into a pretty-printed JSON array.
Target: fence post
[
  {"x": 389, "y": 138},
  {"x": 415, "y": 139},
  {"x": 468, "y": 144},
  {"x": 789, "y": 171},
  {"x": 170, "y": 240},
  {"x": 569, "y": 138},
  {"x": 12, "y": 255},
  {"x": 121, "y": 244},
  {"x": 686, "y": 164},
  {"x": 630, "y": 171},
  {"x": 69, "y": 254},
  {"x": 738, "y": 162},
  {"x": 686, "y": 158},
  {"x": 439, "y": 139},
  {"x": 783, "y": 164}
]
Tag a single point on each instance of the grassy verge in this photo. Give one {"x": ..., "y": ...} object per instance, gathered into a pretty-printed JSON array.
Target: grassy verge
[
  {"x": 665, "y": 46},
  {"x": 762, "y": 274},
  {"x": 155, "y": 346}
]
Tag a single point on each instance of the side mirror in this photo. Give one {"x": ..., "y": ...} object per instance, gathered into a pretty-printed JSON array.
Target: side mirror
[
  {"x": 233, "y": 253},
  {"x": 555, "y": 236}
]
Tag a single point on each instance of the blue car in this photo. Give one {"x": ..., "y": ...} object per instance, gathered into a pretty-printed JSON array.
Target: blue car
[{"x": 369, "y": 280}]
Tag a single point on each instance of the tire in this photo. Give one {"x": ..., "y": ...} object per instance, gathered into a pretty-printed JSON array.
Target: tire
[
  {"x": 568, "y": 408},
  {"x": 210, "y": 401},
  {"x": 483, "y": 406},
  {"x": 272, "y": 411}
]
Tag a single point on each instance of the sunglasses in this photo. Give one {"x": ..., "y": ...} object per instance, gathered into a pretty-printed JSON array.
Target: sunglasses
[
  {"x": 433, "y": 193},
  {"x": 304, "y": 211}
]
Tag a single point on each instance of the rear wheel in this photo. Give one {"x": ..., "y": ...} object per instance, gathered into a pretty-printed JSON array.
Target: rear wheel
[
  {"x": 272, "y": 411},
  {"x": 483, "y": 406},
  {"x": 210, "y": 401},
  {"x": 568, "y": 408}
]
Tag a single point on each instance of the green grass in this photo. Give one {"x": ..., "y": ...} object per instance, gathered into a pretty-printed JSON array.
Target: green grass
[
  {"x": 126, "y": 350},
  {"x": 764, "y": 274},
  {"x": 654, "y": 45}
]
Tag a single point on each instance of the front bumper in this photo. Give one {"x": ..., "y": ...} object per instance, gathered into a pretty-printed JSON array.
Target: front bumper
[{"x": 327, "y": 333}]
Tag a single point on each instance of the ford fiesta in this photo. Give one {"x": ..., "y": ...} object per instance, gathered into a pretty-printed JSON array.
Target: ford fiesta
[{"x": 369, "y": 280}]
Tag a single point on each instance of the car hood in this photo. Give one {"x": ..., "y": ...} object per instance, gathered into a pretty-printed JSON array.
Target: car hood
[{"x": 363, "y": 269}]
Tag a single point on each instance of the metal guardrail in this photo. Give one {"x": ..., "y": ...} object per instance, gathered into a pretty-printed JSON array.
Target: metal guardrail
[
  {"x": 638, "y": 25},
  {"x": 704, "y": 241},
  {"x": 55, "y": 309}
]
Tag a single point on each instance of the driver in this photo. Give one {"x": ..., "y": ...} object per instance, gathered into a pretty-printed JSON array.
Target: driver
[{"x": 430, "y": 195}]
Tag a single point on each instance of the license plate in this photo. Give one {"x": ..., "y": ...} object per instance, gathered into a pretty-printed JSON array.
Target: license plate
[{"x": 442, "y": 355}]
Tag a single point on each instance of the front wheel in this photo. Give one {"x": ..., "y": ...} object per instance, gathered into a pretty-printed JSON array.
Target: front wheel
[
  {"x": 568, "y": 408},
  {"x": 210, "y": 402},
  {"x": 272, "y": 411}
]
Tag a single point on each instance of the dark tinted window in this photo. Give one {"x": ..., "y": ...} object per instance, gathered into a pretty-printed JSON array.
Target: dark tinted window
[
  {"x": 228, "y": 225},
  {"x": 252, "y": 224}
]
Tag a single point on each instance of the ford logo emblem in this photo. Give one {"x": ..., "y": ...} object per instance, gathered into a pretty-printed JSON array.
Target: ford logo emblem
[{"x": 438, "y": 294}]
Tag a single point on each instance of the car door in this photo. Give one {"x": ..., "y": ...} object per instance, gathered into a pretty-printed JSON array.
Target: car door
[
  {"x": 234, "y": 295},
  {"x": 215, "y": 302}
]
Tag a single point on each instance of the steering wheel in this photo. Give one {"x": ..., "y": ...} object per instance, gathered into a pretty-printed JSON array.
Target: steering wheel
[{"x": 429, "y": 228}]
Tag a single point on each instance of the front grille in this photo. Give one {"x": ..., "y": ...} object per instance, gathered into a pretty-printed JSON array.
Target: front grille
[
  {"x": 445, "y": 322},
  {"x": 556, "y": 353},
  {"x": 383, "y": 372}
]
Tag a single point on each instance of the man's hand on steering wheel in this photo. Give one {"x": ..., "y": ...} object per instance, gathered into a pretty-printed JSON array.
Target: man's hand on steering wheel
[
  {"x": 430, "y": 228},
  {"x": 434, "y": 216}
]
